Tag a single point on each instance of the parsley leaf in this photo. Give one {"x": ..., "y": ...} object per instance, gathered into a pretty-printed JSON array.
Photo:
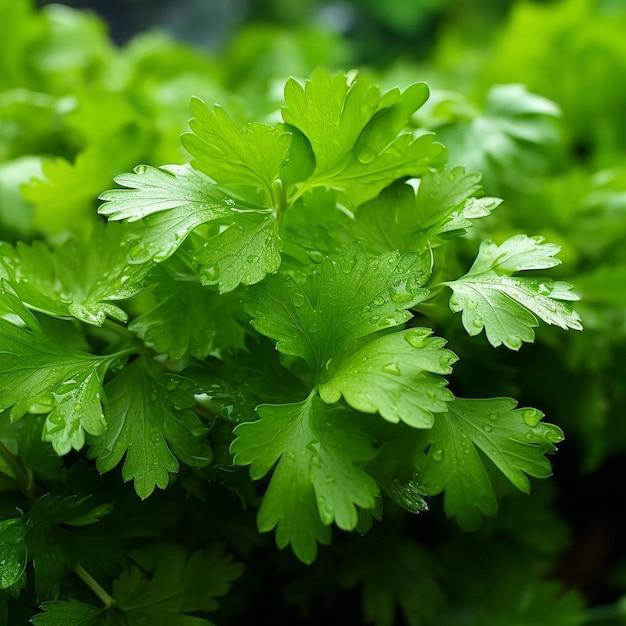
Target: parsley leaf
[
  {"x": 150, "y": 422},
  {"x": 314, "y": 316},
  {"x": 12, "y": 551},
  {"x": 210, "y": 320},
  {"x": 170, "y": 201},
  {"x": 242, "y": 254},
  {"x": 402, "y": 218},
  {"x": 507, "y": 307},
  {"x": 39, "y": 375},
  {"x": 397, "y": 375},
  {"x": 79, "y": 278},
  {"x": 177, "y": 585},
  {"x": 353, "y": 130},
  {"x": 515, "y": 440},
  {"x": 230, "y": 156},
  {"x": 316, "y": 481},
  {"x": 71, "y": 613},
  {"x": 504, "y": 141}
]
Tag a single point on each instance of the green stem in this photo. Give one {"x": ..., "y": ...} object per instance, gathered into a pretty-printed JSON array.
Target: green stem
[
  {"x": 94, "y": 585},
  {"x": 119, "y": 329},
  {"x": 279, "y": 200}
]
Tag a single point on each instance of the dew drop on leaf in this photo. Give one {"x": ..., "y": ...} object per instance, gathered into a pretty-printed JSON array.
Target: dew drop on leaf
[
  {"x": 347, "y": 264},
  {"x": 378, "y": 301},
  {"x": 392, "y": 368},
  {"x": 438, "y": 455},
  {"x": 487, "y": 428},
  {"x": 531, "y": 417},
  {"x": 210, "y": 274},
  {"x": 297, "y": 298}
]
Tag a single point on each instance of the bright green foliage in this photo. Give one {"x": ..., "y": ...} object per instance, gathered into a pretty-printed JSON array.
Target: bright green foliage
[
  {"x": 507, "y": 307},
  {"x": 150, "y": 423},
  {"x": 397, "y": 376},
  {"x": 263, "y": 337},
  {"x": 443, "y": 207},
  {"x": 353, "y": 132},
  {"x": 316, "y": 480},
  {"x": 250, "y": 156},
  {"x": 170, "y": 202},
  {"x": 242, "y": 254},
  {"x": 500, "y": 141},
  {"x": 40, "y": 375},
  {"x": 315, "y": 316},
  {"x": 515, "y": 440},
  {"x": 77, "y": 279}
]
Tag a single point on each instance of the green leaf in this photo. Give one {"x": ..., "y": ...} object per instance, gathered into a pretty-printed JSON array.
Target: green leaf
[
  {"x": 398, "y": 376},
  {"x": 79, "y": 278},
  {"x": 70, "y": 613},
  {"x": 210, "y": 321},
  {"x": 170, "y": 201},
  {"x": 244, "y": 253},
  {"x": 515, "y": 440},
  {"x": 167, "y": 589},
  {"x": 230, "y": 156},
  {"x": 508, "y": 141},
  {"x": 317, "y": 480},
  {"x": 353, "y": 131},
  {"x": 314, "y": 316},
  {"x": 150, "y": 422},
  {"x": 402, "y": 218},
  {"x": 507, "y": 307},
  {"x": 39, "y": 375},
  {"x": 12, "y": 551}
]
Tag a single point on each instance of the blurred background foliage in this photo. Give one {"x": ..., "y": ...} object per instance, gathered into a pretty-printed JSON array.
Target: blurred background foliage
[{"x": 532, "y": 94}]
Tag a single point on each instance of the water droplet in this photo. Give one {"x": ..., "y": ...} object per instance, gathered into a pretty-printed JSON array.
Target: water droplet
[
  {"x": 251, "y": 258},
  {"x": 347, "y": 264},
  {"x": 366, "y": 155},
  {"x": 544, "y": 289},
  {"x": 493, "y": 417},
  {"x": 472, "y": 304},
  {"x": 477, "y": 322},
  {"x": 417, "y": 337},
  {"x": 392, "y": 368},
  {"x": 438, "y": 455},
  {"x": 210, "y": 274},
  {"x": 531, "y": 417},
  {"x": 487, "y": 428},
  {"x": 78, "y": 407},
  {"x": 313, "y": 328},
  {"x": 297, "y": 298},
  {"x": 141, "y": 169},
  {"x": 400, "y": 293},
  {"x": 138, "y": 251},
  {"x": 378, "y": 301},
  {"x": 316, "y": 256},
  {"x": 374, "y": 320}
]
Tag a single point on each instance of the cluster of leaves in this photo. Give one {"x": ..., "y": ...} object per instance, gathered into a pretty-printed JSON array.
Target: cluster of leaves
[{"x": 256, "y": 336}]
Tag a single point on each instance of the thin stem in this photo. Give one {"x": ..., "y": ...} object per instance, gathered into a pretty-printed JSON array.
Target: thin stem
[
  {"x": 119, "y": 329},
  {"x": 94, "y": 585}
]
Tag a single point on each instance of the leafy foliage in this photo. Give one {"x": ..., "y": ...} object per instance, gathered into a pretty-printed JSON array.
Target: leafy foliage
[{"x": 253, "y": 329}]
